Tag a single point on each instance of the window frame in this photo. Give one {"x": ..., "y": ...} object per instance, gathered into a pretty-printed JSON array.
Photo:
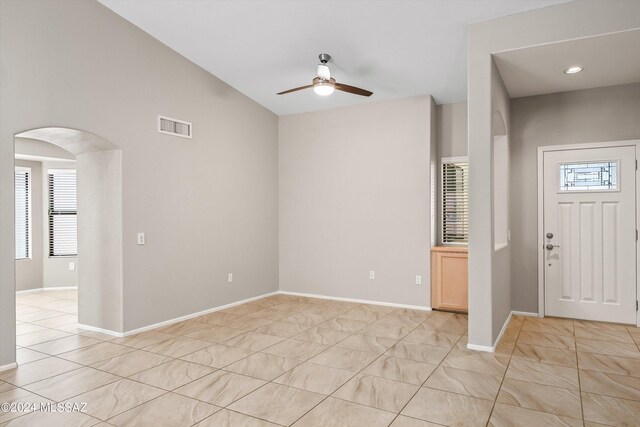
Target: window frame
[
  {"x": 51, "y": 213},
  {"x": 28, "y": 228},
  {"x": 444, "y": 161}
]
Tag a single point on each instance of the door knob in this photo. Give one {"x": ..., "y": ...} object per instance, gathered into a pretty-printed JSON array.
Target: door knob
[
  {"x": 549, "y": 235},
  {"x": 550, "y": 247}
]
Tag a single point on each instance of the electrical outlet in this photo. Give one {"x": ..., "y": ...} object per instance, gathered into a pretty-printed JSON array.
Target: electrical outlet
[
  {"x": 372, "y": 275},
  {"x": 230, "y": 278},
  {"x": 72, "y": 266},
  {"x": 141, "y": 238},
  {"x": 418, "y": 280}
]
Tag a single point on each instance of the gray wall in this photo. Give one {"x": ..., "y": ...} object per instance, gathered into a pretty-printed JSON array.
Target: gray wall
[
  {"x": 593, "y": 115},
  {"x": 566, "y": 21},
  {"x": 501, "y": 260},
  {"x": 451, "y": 128},
  {"x": 451, "y": 141},
  {"x": 100, "y": 239},
  {"x": 29, "y": 274},
  {"x": 355, "y": 197},
  {"x": 208, "y": 205}
]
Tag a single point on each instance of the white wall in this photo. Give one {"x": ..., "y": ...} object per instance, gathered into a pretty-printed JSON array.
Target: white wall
[
  {"x": 592, "y": 115},
  {"x": 42, "y": 150},
  {"x": 207, "y": 205},
  {"x": 354, "y": 197}
]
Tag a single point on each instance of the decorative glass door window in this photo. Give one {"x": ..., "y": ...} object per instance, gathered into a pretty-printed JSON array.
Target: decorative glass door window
[{"x": 589, "y": 176}]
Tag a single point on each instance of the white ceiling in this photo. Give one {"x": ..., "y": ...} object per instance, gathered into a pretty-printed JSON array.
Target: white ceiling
[
  {"x": 607, "y": 60},
  {"x": 394, "y": 48}
]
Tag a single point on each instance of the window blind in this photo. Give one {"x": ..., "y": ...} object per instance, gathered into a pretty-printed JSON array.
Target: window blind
[
  {"x": 23, "y": 214},
  {"x": 63, "y": 224},
  {"x": 455, "y": 202}
]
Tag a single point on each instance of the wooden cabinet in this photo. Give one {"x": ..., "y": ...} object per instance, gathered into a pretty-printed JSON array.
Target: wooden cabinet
[{"x": 449, "y": 278}]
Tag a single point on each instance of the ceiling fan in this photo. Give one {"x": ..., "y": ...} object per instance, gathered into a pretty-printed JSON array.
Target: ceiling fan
[{"x": 324, "y": 84}]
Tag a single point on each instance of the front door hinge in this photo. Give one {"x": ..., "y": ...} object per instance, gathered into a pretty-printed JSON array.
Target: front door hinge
[{"x": 636, "y": 305}]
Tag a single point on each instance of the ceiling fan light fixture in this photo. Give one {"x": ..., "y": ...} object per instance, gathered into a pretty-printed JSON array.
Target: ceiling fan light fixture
[{"x": 324, "y": 87}]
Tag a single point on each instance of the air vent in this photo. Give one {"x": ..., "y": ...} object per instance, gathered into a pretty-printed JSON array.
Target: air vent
[{"x": 174, "y": 127}]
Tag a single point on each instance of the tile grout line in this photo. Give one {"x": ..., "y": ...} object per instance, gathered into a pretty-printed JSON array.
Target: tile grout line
[
  {"x": 355, "y": 372},
  {"x": 173, "y": 358},
  {"x": 427, "y": 379},
  {"x": 579, "y": 376},
  {"x": 305, "y": 361},
  {"x": 504, "y": 376},
  {"x": 332, "y": 346},
  {"x": 215, "y": 370}
]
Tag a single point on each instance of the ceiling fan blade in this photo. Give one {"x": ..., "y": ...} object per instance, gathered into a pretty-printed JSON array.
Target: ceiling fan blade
[
  {"x": 352, "y": 89},
  {"x": 294, "y": 89}
]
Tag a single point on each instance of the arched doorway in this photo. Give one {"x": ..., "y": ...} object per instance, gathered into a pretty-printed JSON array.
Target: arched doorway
[{"x": 99, "y": 223}]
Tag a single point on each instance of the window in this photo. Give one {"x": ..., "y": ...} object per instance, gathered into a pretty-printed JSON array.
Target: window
[
  {"x": 455, "y": 200},
  {"x": 63, "y": 224},
  {"x": 23, "y": 212},
  {"x": 589, "y": 176}
]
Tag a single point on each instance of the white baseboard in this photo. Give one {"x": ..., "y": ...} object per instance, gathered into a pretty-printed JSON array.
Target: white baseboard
[
  {"x": 192, "y": 315},
  {"x": 492, "y": 349},
  {"x": 360, "y": 301},
  {"x": 102, "y": 331},
  {"x": 233, "y": 304},
  {"x": 524, "y": 313},
  {"x": 8, "y": 366},
  {"x": 50, "y": 288},
  {"x": 481, "y": 348}
]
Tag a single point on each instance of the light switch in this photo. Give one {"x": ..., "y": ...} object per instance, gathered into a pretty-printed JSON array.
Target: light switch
[
  {"x": 141, "y": 238},
  {"x": 72, "y": 266}
]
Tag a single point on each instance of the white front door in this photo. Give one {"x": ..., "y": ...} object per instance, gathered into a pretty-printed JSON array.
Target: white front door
[{"x": 590, "y": 234}]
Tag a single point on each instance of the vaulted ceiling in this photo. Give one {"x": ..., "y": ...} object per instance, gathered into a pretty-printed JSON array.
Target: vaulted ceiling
[{"x": 394, "y": 48}]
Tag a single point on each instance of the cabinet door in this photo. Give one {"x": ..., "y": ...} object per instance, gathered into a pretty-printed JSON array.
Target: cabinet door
[{"x": 450, "y": 284}]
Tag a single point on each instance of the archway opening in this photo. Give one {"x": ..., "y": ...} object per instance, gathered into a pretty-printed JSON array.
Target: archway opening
[{"x": 79, "y": 226}]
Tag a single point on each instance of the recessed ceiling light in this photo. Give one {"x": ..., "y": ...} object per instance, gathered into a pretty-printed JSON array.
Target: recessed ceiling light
[{"x": 573, "y": 70}]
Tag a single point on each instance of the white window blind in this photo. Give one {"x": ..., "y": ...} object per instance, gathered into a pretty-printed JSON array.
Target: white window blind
[
  {"x": 455, "y": 201},
  {"x": 63, "y": 223},
  {"x": 23, "y": 212}
]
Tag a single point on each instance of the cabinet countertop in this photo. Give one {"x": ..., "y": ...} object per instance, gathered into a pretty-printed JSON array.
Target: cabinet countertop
[{"x": 460, "y": 249}]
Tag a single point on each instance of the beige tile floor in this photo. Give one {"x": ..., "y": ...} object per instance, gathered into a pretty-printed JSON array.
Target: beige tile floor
[{"x": 287, "y": 360}]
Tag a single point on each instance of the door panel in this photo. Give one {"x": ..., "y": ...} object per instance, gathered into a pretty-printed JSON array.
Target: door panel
[{"x": 590, "y": 211}]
